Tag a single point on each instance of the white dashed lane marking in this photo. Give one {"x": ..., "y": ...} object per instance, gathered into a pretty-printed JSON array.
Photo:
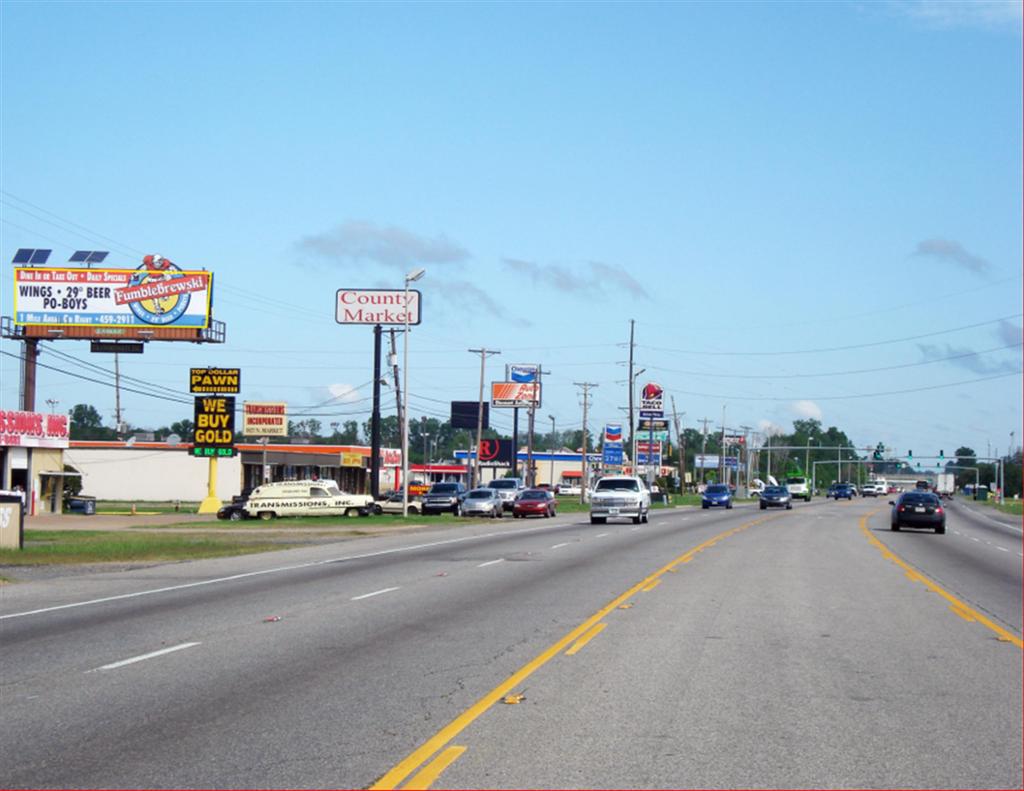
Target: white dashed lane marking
[
  {"x": 143, "y": 657},
  {"x": 491, "y": 563},
  {"x": 375, "y": 593}
]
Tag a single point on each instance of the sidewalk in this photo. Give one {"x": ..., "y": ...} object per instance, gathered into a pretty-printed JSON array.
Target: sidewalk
[{"x": 112, "y": 521}]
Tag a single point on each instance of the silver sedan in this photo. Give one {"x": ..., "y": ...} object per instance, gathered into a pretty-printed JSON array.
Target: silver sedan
[{"x": 482, "y": 502}]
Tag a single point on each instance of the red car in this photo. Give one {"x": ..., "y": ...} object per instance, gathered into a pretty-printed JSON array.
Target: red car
[{"x": 536, "y": 502}]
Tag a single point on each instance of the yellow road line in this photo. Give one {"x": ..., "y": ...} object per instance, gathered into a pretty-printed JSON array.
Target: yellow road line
[
  {"x": 407, "y": 765},
  {"x": 652, "y": 586},
  {"x": 429, "y": 773},
  {"x": 586, "y": 639},
  {"x": 965, "y": 611}
]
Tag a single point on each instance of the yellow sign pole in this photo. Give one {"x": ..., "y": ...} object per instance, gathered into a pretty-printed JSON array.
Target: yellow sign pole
[{"x": 210, "y": 504}]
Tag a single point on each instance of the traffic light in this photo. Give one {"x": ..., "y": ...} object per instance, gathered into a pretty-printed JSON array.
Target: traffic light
[
  {"x": 942, "y": 455},
  {"x": 910, "y": 454}
]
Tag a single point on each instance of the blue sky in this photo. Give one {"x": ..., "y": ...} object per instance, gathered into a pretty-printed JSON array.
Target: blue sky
[{"x": 805, "y": 207}]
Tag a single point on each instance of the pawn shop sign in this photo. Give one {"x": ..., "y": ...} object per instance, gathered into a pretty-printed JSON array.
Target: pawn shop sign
[{"x": 215, "y": 380}]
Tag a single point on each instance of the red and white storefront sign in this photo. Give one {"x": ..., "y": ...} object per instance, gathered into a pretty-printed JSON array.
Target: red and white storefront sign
[{"x": 33, "y": 430}]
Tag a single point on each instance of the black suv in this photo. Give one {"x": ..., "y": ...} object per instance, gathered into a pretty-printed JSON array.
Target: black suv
[{"x": 444, "y": 497}]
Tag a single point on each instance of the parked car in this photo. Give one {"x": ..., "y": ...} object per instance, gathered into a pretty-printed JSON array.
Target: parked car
[
  {"x": 799, "y": 487},
  {"x": 235, "y": 510},
  {"x": 716, "y": 494},
  {"x": 483, "y": 502},
  {"x": 534, "y": 502},
  {"x": 619, "y": 495},
  {"x": 776, "y": 497},
  {"x": 508, "y": 489},
  {"x": 843, "y": 491},
  {"x": 918, "y": 509},
  {"x": 392, "y": 504},
  {"x": 305, "y": 498},
  {"x": 444, "y": 497},
  {"x": 569, "y": 489}
]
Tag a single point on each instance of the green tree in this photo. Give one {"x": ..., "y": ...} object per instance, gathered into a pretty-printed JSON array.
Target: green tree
[{"x": 86, "y": 423}]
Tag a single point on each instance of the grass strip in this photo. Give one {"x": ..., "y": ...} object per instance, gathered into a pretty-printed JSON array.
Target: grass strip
[{"x": 47, "y": 547}]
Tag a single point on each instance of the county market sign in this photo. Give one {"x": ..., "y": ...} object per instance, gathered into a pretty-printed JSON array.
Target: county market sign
[{"x": 377, "y": 306}]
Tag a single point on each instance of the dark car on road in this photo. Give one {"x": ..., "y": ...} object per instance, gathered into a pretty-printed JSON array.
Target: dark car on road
[
  {"x": 918, "y": 509},
  {"x": 843, "y": 490},
  {"x": 776, "y": 497},
  {"x": 716, "y": 494},
  {"x": 444, "y": 497}
]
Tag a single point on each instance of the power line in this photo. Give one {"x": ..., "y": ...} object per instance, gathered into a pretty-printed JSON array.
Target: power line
[{"x": 706, "y": 353}]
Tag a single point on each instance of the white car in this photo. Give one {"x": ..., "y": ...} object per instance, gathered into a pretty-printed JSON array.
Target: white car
[
  {"x": 508, "y": 489},
  {"x": 619, "y": 495},
  {"x": 483, "y": 502},
  {"x": 572, "y": 489},
  {"x": 799, "y": 487}
]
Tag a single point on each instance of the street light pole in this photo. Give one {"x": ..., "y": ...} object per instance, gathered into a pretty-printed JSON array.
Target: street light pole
[{"x": 411, "y": 277}]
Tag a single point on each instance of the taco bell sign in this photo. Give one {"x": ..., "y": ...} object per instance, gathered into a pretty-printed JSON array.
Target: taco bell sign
[{"x": 652, "y": 400}]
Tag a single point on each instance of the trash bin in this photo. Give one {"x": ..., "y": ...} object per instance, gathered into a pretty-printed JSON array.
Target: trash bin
[
  {"x": 12, "y": 535},
  {"x": 82, "y": 504},
  {"x": 980, "y": 494}
]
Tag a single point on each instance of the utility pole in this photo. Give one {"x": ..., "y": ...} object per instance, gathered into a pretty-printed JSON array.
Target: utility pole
[
  {"x": 746, "y": 449},
  {"x": 725, "y": 474},
  {"x": 703, "y": 452},
  {"x": 117, "y": 395},
  {"x": 398, "y": 389},
  {"x": 585, "y": 468},
  {"x": 532, "y": 413},
  {"x": 632, "y": 422},
  {"x": 680, "y": 447},
  {"x": 484, "y": 354}
]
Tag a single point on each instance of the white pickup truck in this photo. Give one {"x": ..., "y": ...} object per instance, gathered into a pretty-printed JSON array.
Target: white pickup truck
[{"x": 305, "y": 498}]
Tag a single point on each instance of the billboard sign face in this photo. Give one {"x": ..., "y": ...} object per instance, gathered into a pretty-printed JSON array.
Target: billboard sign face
[
  {"x": 160, "y": 295},
  {"x": 613, "y": 433},
  {"x": 652, "y": 400},
  {"x": 648, "y": 453},
  {"x": 611, "y": 455},
  {"x": 214, "y": 380},
  {"x": 513, "y": 394},
  {"x": 705, "y": 462},
  {"x": 33, "y": 430},
  {"x": 214, "y": 433},
  {"x": 524, "y": 373},
  {"x": 265, "y": 419},
  {"x": 495, "y": 451},
  {"x": 464, "y": 414},
  {"x": 376, "y": 306}
]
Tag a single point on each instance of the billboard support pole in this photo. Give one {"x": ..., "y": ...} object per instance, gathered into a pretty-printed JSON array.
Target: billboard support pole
[
  {"x": 210, "y": 504},
  {"x": 515, "y": 440},
  {"x": 375, "y": 417}
]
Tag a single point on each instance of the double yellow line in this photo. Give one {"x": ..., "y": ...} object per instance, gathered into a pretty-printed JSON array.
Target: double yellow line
[{"x": 577, "y": 638}]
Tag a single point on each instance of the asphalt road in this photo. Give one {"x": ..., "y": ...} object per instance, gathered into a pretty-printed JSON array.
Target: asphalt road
[{"x": 716, "y": 649}]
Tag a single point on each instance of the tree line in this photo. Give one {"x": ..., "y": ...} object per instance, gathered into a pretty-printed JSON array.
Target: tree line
[{"x": 808, "y": 449}]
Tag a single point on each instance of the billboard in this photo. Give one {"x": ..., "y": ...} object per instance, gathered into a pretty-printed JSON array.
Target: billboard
[
  {"x": 153, "y": 295},
  {"x": 515, "y": 394},
  {"x": 706, "y": 461},
  {"x": 523, "y": 372},
  {"x": 376, "y": 306},
  {"x": 214, "y": 433},
  {"x": 652, "y": 400},
  {"x": 214, "y": 380},
  {"x": 464, "y": 414},
  {"x": 33, "y": 430},
  {"x": 265, "y": 418},
  {"x": 496, "y": 451}
]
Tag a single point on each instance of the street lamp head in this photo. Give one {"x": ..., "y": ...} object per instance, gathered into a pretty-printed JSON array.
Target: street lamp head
[{"x": 415, "y": 275}]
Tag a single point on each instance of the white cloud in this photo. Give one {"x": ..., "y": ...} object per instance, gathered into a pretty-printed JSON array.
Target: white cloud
[
  {"x": 953, "y": 252},
  {"x": 770, "y": 429},
  {"x": 806, "y": 410},
  {"x": 357, "y": 242},
  {"x": 994, "y": 15},
  {"x": 343, "y": 394}
]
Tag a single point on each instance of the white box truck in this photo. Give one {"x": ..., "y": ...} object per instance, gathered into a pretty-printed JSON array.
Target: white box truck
[{"x": 945, "y": 484}]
